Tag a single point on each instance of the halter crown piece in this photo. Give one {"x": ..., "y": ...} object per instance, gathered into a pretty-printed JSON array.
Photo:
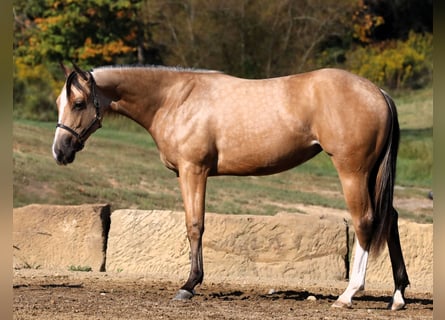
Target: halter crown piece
[{"x": 96, "y": 121}]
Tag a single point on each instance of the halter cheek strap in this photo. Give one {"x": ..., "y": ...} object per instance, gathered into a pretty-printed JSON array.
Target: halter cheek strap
[{"x": 97, "y": 121}]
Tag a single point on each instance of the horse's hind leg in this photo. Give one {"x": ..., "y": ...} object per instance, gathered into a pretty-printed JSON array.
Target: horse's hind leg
[
  {"x": 400, "y": 275},
  {"x": 357, "y": 280},
  {"x": 355, "y": 189}
]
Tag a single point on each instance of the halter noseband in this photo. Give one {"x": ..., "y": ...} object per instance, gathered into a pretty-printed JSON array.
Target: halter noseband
[{"x": 96, "y": 121}]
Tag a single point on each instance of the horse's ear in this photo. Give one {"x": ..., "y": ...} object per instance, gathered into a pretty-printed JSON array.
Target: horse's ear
[
  {"x": 65, "y": 69},
  {"x": 83, "y": 74}
]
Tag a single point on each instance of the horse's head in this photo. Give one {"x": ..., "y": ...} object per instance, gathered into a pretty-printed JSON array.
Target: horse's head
[{"x": 79, "y": 114}]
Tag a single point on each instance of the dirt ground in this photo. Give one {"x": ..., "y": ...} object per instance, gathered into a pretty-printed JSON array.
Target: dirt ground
[{"x": 40, "y": 294}]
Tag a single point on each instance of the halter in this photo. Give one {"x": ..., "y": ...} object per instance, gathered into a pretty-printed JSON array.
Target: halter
[{"x": 96, "y": 121}]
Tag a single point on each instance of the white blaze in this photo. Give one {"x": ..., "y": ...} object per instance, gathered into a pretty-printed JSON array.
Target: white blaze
[{"x": 63, "y": 101}]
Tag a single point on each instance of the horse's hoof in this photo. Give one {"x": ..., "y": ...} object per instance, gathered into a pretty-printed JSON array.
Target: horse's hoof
[
  {"x": 183, "y": 295},
  {"x": 396, "y": 306},
  {"x": 341, "y": 304},
  {"x": 397, "y": 301}
]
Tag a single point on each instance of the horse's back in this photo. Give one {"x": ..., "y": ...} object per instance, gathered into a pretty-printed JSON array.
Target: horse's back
[
  {"x": 256, "y": 130},
  {"x": 332, "y": 107},
  {"x": 245, "y": 127}
]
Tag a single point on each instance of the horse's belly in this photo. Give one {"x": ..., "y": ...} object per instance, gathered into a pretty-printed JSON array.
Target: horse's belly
[{"x": 264, "y": 160}]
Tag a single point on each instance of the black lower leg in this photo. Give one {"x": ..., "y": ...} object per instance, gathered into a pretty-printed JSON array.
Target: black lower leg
[
  {"x": 400, "y": 275},
  {"x": 193, "y": 280},
  {"x": 196, "y": 275}
]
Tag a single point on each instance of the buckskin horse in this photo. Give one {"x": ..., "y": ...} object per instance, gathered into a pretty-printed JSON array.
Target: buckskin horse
[{"x": 208, "y": 123}]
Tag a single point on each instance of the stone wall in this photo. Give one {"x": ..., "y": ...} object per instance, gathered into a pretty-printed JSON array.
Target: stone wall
[
  {"x": 57, "y": 237},
  {"x": 285, "y": 246},
  {"x": 281, "y": 249}
]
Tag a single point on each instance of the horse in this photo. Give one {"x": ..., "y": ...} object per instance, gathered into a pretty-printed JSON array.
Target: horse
[{"x": 206, "y": 123}]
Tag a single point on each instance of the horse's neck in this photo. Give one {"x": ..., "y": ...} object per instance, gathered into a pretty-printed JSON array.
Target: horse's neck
[{"x": 139, "y": 93}]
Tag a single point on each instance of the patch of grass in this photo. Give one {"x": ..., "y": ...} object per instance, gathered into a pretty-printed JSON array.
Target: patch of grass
[
  {"x": 415, "y": 161},
  {"x": 418, "y": 217},
  {"x": 415, "y": 108},
  {"x": 270, "y": 194},
  {"x": 103, "y": 172},
  {"x": 80, "y": 268}
]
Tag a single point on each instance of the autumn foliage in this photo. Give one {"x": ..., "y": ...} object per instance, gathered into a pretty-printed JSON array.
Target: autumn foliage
[{"x": 389, "y": 44}]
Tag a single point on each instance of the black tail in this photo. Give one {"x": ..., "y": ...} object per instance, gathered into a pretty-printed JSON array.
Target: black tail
[{"x": 382, "y": 181}]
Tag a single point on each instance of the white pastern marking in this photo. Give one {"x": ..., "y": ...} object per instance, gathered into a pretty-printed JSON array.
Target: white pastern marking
[
  {"x": 357, "y": 281},
  {"x": 359, "y": 267},
  {"x": 397, "y": 301}
]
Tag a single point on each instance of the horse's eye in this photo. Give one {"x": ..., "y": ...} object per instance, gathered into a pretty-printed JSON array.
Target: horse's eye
[{"x": 79, "y": 105}]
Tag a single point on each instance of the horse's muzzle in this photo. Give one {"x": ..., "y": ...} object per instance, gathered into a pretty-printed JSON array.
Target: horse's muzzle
[
  {"x": 64, "y": 152},
  {"x": 64, "y": 158}
]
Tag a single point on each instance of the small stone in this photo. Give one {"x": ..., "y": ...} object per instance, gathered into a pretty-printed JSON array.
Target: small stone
[
  {"x": 311, "y": 298},
  {"x": 271, "y": 291}
]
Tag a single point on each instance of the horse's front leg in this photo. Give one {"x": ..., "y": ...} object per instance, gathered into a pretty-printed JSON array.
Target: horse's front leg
[{"x": 192, "y": 180}]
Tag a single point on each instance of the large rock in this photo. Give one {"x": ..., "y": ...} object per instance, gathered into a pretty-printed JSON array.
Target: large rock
[
  {"x": 281, "y": 248},
  {"x": 48, "y": 236}
]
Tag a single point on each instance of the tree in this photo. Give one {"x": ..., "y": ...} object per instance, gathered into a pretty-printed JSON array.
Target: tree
[
  {"x": 90, "y": 32},
  {"x": 248, "y": 38},
  {"x": 379, "y": 20}
]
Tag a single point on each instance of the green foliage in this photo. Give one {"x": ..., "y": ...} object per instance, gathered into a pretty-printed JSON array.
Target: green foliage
[
  {"x": 34, "y": 92},
  {"x": 253, "y": 39},
  {"x": 395, "y": 64},
  {"x": 47, "y": 32},
  {"x": 80, "y": 268},
  {"x": 90, "y": 31}
]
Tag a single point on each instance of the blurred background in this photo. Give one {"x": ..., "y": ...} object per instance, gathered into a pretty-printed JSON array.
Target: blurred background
[{"x": 388, "y": 42}]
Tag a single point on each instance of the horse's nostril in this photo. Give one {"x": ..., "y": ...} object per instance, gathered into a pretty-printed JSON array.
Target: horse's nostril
[
  {"x": 60, "y": 158},
  {"x": 65, "y": 157}
]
